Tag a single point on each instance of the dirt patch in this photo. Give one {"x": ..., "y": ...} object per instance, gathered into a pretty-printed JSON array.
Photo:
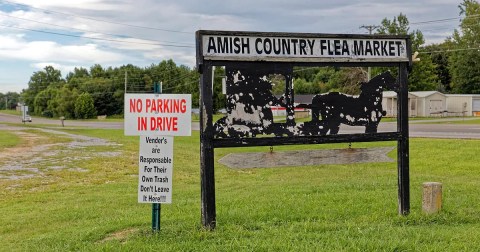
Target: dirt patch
[
  {"x": 33, "y": 157},
  {"x": 120, "y": 235},
  {"x": 29, "y": 141}
]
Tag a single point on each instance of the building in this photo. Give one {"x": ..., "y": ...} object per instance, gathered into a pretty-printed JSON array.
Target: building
[
  {"x": 299, "y": 112},
  {"x": 430, "y": 103},
  {"x": 434, "y": 103},
  {"x": 463, "y": 104},
  {"x": 389, "y": 104}
]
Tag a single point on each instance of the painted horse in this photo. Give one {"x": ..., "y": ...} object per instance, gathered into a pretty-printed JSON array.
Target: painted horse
[{"x": 364, "y": 110}]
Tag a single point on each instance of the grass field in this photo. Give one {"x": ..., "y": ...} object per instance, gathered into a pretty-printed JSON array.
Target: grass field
[
  {"x": 11, "y": 112},
  {"x": 8, "y": 140},
  {"x": 310, "y": 208},
  {"x": 467, "y": 121}
]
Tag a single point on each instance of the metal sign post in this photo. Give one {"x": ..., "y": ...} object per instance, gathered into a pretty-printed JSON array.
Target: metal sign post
[
  {"x": 156, "y": 207},
  {"x": 249, "y": 58}
]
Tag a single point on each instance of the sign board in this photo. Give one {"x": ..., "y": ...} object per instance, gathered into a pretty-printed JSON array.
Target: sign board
[
  {"x": 158, "y": 114},
  {"x": 155, "y": 168},
  {"x": 24, "y": 113},
  {"x": 256, "y": 61},
  {"x": 302, "y": 48}
]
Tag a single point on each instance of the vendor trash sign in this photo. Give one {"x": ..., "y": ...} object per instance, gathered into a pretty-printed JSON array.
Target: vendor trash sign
[{"x": 155, "y": 169}]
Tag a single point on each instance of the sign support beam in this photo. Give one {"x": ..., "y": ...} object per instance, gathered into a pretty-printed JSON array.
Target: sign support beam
[
  {"x": 403, "y": 145},
  {"x": 207, "y": 149}
]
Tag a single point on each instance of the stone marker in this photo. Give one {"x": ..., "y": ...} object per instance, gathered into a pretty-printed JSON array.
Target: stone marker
[{"x": 432, "y": 197}]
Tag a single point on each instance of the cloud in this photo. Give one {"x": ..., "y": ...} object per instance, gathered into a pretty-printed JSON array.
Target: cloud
[
  {"x": 77, "y": 4},
  {"x": 65, "y": 69},
  {"x": 135, "y": 32},
  {"x": 15, "y": 47}
]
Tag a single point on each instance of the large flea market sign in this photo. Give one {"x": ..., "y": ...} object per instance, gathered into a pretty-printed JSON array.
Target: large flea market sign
[
  {"x": 303, "y": 48},
  {"x": 256, "y": 61}
]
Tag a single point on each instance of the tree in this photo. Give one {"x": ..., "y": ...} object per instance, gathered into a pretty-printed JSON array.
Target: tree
[
  {"x": 48, "y": 94},
  {"x": 84, "y": 107},
  {"x": 64, "y": 102},
  {"x": 440, "y": 58},
  {"x": 423, "y": 75},
  {"x": 96, "y": 71},
  {"x": 301, "y": 86},
  {"x": 9, "y": 100},
  {"x": 466, "y": 55},
  {"x": 40, "y": 81},
  {"x": 42, "y": 100}
]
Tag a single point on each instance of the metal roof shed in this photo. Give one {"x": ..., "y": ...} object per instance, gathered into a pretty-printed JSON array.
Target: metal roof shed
[
  {"x": 430, "y": 103},
  {"x": 463, "y": 104},
  {"x": 389, "y": 104}
]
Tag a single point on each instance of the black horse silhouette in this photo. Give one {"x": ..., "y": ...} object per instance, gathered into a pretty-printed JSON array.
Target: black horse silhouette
[
  {"x": 249, "y": 101},
  {"x": 365, "y": 110},
  {"x": 248, "y": 104}
]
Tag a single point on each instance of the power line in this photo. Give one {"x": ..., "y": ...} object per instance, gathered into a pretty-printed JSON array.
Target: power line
[
  {"x": 435, "y": 21},
  {"x": 445, "y": 20},
  {"x": 451, "y": 50},
  {"x": 88, "y": 37},
  {"x": 84, "y": 30},
  {"x": 98, "y": 20}
]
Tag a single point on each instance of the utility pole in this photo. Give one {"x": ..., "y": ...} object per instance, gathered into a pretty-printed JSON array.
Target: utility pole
[
  {"x": 370, "y": 28},
  {"x": 125, "y": 81},
  {"x": 6, "y": 102}
]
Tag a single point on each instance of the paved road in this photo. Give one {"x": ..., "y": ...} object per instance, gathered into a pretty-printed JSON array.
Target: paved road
[
  {"x": 417, "y": 128},
  {"x": 69, "y": 123}
]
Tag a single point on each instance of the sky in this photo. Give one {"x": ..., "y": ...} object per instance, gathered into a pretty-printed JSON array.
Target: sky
[{"x": 81, "y": 33}]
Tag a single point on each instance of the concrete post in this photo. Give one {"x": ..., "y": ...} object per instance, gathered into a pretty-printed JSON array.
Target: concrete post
[{"x": 432, "y": 197}]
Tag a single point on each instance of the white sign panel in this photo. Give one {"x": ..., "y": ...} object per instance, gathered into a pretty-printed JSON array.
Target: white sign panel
[
  {"x": 24, "y": 112},
  {"x": 155, "y": 169},
  {"x": 158, "y": 114},
  {"x": 305, "y": 49}
]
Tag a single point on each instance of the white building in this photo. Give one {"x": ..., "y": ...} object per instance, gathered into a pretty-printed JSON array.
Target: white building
[
  {"x": 463, "y": 104},
  {"x": 434, "y": 103},
  {"x": 389, "y": 104},
  {"x": 430, "y": 103}
]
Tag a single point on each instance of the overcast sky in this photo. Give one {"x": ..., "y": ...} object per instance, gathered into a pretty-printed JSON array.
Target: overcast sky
[{"x": 81, "y": 33}]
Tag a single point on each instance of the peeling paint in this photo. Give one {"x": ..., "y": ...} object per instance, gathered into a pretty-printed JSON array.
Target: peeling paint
[{"x": 253, "y": 111}]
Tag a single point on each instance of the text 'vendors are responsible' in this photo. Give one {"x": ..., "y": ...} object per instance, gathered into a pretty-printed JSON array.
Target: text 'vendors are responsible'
[{"x": 155, "y": 169}]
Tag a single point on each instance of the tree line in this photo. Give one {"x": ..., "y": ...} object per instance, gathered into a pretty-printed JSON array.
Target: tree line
[
  {"x": 449, "y": 67},
  {"x": 85, "y": 93}
]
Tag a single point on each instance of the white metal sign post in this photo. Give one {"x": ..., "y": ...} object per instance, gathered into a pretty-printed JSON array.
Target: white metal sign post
[{"x": 156, "y": 118}]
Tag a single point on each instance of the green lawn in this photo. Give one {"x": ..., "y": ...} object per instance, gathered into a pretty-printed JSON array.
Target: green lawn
[
  {"x": 466, "y": 121},
  {"x": 11, "y": 112},
  {"x": 8, "y": 139},
  {"x": 310, "y": 208}
]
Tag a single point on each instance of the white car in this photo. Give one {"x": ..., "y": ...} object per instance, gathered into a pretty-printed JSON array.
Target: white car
[{"x": 27, "y": 119}]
